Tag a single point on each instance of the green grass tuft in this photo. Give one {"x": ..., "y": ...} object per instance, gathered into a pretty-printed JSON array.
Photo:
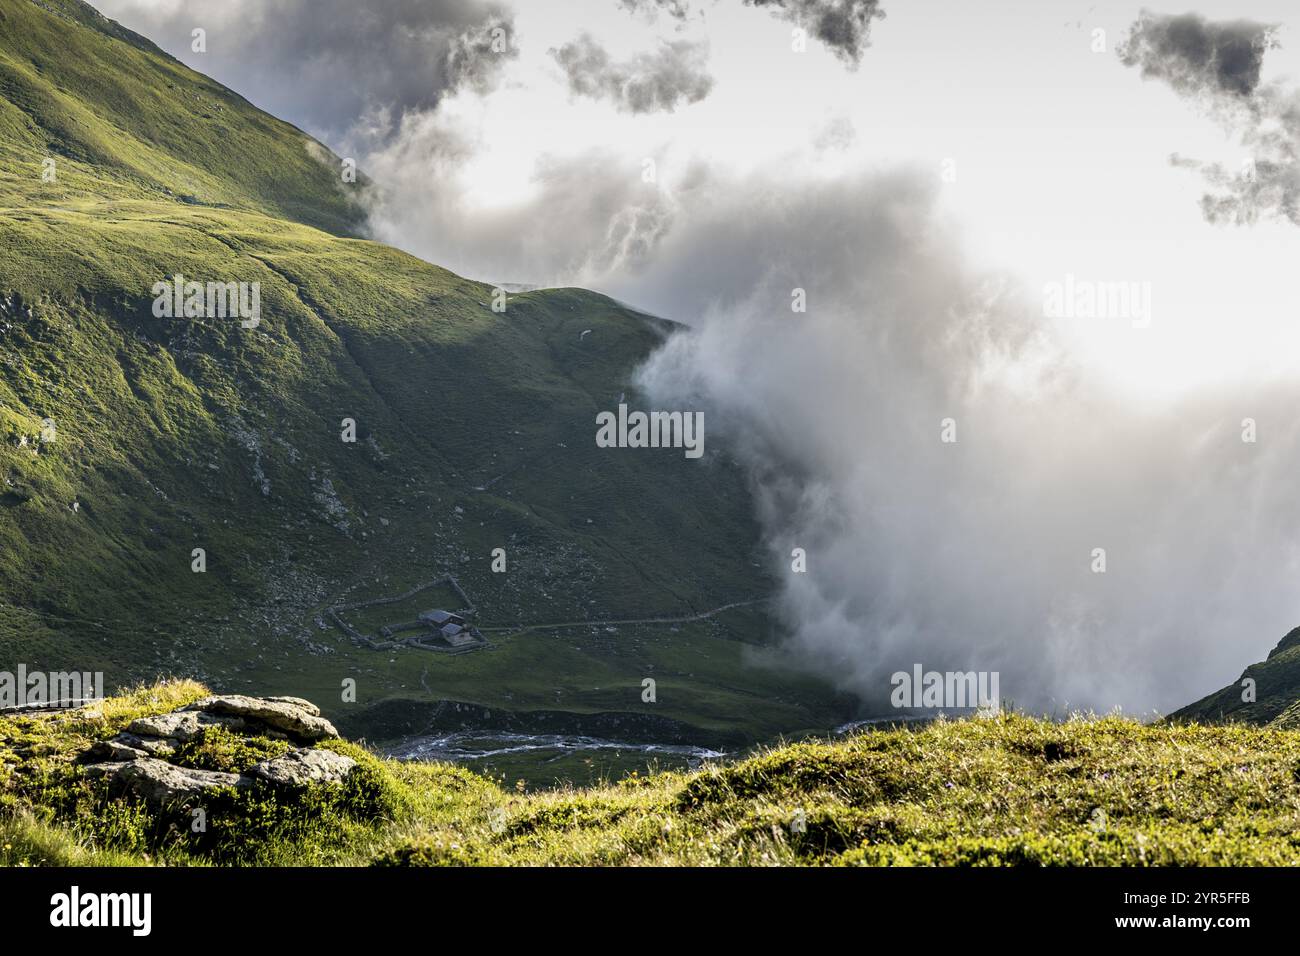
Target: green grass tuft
[{"x": 1004, "y": 791}]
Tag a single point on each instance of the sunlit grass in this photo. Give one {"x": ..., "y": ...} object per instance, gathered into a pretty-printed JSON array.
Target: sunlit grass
[{"x": 1001, "y": 791}]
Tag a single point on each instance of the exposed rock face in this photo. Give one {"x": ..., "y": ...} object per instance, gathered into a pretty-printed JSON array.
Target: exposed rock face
[
  {"x": 298, "y": 718},
  {"x": 117, "y": 749},
  {"x": 300, "y": 768},
  {"x": 298, "y": 702},
  {"x": 181, "y": 725},
  {"x": 134, "y": 761},
  {"x": 158, "y": 782}
]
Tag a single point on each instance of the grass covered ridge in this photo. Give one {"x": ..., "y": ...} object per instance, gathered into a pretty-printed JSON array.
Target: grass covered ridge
[
  {"x": 1010, "y": 790},
  {"x": 474, "y": 430}
]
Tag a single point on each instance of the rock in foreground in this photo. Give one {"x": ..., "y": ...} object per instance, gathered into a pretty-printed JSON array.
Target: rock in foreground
[
  {"x": 136, "y": 761},
  {"x": 299, "y": 719}
]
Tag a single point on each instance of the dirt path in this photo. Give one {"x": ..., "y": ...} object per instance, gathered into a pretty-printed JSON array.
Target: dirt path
[{"x": 703, "y": 615}]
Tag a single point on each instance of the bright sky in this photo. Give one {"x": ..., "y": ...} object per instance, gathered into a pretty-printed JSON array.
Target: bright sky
[{"x": 1061, "y": 154}]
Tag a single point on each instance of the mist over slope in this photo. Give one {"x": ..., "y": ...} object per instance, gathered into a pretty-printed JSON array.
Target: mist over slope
[
  {"x": 474, "y": 428},
  {"x": 977, "y": 553}
]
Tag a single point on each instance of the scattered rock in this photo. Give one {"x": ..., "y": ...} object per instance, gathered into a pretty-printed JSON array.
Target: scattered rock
[
  {"x": 181, "y": 725},
  {"x": 301, "y": 768},
  {"x": 298, "y": 718},
  {"x": 159, "y": 783},
  {"x": 115, "y": 750},
  {"x": 128, "y": 746},
  {"x": 133, "y": 761},
  {"x": 298, "y": 702},
  {"x": 154, "y": 746}
]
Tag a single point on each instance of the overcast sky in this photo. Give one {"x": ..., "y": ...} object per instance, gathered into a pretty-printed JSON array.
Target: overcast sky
[{"x": 923, "y": 170}]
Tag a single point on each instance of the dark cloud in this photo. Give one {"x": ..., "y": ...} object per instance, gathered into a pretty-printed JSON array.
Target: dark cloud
[
  {"x": 1218, "y": 67},
  {"x": 476, "y": 55},
  {"x": 646, "y": 83},
  {"x": 1199, "y": 57},
  {"x": 325, "y": 64},
  {"x": 843, "y": 25}
]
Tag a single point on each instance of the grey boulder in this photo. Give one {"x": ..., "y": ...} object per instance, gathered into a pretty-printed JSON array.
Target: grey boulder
[
  {"x": 302, "y": 768},
  {"x": 159, "y": 783},
  {"x": 181, "y": 725},
  {"x": 116, "y": 749},
  {"x": 297, "y": 718}
]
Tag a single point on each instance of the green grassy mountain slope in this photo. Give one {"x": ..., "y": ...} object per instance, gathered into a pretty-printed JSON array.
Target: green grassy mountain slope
[
  {"x": 475, "y": 430},
  {"x": 1267, "y": 692},
  {"x": 110, "y": 107}
]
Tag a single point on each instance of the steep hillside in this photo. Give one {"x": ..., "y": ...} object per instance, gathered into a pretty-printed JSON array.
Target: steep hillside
[
  {"x": 1262, "y": 694},
  {"x": 129, "y": 440},
  {"x": 124, "y": 120}
]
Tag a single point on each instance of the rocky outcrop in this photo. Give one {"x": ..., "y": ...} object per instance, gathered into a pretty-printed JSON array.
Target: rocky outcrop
[
  {"x": 159, "y": 783},
  {"x": 135, "y": 762},
  {"x": 181, "y": 726},
  {"x": 292, "y": 716},
  {"x": 302, "y": 768},
  {"x": 121, "y": 747}
]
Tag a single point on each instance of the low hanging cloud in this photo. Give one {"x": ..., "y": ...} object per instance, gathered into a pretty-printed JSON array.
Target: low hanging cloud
[
  {"x": 674, "y": 74},
  {"x": 975, "y": 555},
  {"x": 613, "y": 219},
  {"x": 843, "y": 25},
  {"x": 1217, "y": 66},
  {"x": 475, "y": 56},
  {"x": 329, "y": 65},
  {"x": 1265, "y": 186},
  {"x": 978, "y": 554}
]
